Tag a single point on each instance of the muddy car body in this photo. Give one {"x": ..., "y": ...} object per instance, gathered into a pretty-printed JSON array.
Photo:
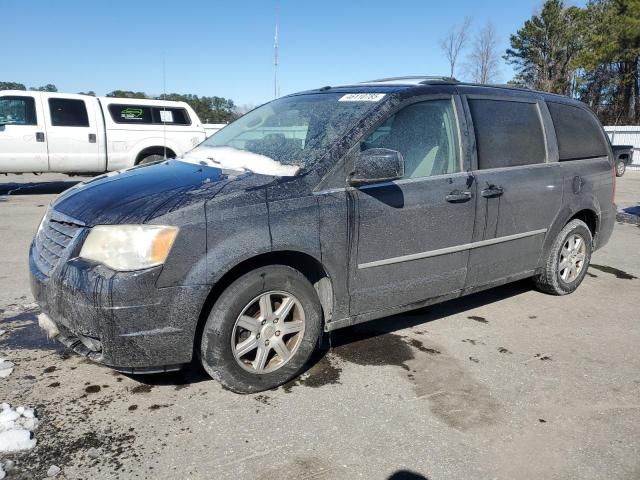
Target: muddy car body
[{"x": 354, "y": 203}]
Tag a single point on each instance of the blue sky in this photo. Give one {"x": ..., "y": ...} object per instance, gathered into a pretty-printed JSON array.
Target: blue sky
[{"x": 225, "y": 48}]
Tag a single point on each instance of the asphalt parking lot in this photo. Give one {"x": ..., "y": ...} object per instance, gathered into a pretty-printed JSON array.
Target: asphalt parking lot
[{"x": 506, "y": 384}]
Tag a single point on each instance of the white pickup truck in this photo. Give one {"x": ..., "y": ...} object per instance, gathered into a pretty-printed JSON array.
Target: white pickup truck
[{"x": 68, "y": 133}]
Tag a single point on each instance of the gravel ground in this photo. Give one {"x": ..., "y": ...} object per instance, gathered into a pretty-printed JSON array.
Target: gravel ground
[{"x": 508, "y": 383}]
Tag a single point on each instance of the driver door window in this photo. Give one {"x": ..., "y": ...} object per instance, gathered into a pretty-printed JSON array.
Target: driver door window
[{"x": 426, "y": 134}]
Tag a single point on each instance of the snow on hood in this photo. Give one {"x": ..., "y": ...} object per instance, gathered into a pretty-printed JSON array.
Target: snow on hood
[{"x": 234, "y": 159}]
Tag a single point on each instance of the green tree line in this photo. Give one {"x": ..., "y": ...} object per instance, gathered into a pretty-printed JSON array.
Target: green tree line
[
  {"x": 591, "y": 53},
  {"x": 209, "y": 109}
]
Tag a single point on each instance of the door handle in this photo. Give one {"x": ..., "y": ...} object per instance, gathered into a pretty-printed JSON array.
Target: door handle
[
  {"x": 492, "y": 191},
  {"x": 458, "y": 197},
  {"x": 39, "y": 136},
  {"x": 92, "y": 138}
]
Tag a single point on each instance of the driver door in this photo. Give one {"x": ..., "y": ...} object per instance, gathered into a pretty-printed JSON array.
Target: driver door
[{"x": 412, "y": 232}]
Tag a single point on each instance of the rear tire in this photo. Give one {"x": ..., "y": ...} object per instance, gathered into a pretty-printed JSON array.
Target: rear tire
[
  {"x": 567, "y": 261},
  {"x": 621, "y": 167},
  {"x": 272, "y": 309}
]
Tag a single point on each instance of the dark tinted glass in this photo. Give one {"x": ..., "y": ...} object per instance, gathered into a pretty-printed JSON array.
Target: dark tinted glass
[
  {"x": 170, "y": 116},
  {"x": 68, "y": 113},
  {"x": 507, "y": 133},
  {"x": 18, "y": 111},
  {"x": 144, "y": 114},
  {"x": 578, "y": 132},
  {"x": 130, "y": 114}
]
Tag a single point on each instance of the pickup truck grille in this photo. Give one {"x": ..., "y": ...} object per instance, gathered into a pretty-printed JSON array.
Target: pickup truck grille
[{"x": 53, "y": 240}]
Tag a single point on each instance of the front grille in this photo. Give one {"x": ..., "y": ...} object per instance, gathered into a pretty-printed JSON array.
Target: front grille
[{"x": 53, "y": 239}]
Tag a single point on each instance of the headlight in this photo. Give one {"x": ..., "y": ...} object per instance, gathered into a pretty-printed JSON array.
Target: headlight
[{"x": 129, "y": 247}]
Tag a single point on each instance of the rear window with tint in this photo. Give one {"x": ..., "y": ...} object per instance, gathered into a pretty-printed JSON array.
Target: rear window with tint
[
  {"x": 147, "y": 115},
  {"x": 508, "y": 133},
  {"x": 578, "y": 132}
]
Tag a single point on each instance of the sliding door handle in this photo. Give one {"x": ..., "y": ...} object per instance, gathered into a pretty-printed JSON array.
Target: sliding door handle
[
  {"x": 39, "y": 136},
  {"x": 458, "y": 197},
  {"x": 492, "y": 191}
]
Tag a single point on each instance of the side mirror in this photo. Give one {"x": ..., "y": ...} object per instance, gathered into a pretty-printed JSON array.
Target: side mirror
[{"x": 376, "y": 165}]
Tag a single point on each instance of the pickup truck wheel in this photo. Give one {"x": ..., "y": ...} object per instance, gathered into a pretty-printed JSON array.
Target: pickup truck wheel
[
  {"x": 621, "y": 167},
  {"x": 567, "y": 261},
  {"x": 150, "y": 159},
  {"x": 262, "y": 330}
]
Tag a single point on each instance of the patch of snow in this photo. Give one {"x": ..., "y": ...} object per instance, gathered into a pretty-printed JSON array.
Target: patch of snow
[
  {"x": 30, "y": 306},
  {"x": 53, "y": 471},
  {"x": 2, "y": 332},
  {"x": 2, "y": 472},
  {"x": 6, "y": 367},
  {"x": 234, "y": 159},
  {"x": 16, "y": 428}
]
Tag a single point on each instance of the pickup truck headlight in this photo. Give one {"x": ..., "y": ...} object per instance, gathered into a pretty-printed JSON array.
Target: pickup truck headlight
[{"x": 129, "y": 247}]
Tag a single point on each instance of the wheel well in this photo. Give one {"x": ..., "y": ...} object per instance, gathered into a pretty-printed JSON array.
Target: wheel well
[
  {"x": 158, "y": 150},
  {"x": 311, "y": 268},
  {"x": 590, "y": 218}
]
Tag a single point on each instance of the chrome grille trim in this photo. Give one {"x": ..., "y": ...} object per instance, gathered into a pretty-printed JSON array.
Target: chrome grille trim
[{"x": 53, "y": 240}]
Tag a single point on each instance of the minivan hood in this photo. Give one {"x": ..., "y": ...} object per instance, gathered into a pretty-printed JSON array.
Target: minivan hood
[{"x": 140, "y": 194}]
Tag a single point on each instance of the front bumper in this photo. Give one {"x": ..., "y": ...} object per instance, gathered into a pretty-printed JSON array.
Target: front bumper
[{"x": 120, "y": 319}]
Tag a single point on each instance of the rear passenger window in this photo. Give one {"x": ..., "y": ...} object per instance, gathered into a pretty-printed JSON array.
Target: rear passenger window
[
  {"x": 66, "y": 112},
  {"x": 426, "y": 134},
  {"x": 578, "y": 132},
  {"x": 147, "y": 115},
  {"x": 18, "y": 111},
  {"x": 508, "y": 133},
  {"x": 171, "y": 116},
  {"x": 130, "y": 114}
]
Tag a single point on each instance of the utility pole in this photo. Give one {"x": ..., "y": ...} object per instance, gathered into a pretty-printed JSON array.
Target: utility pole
[{"x": 275, "y": 55}]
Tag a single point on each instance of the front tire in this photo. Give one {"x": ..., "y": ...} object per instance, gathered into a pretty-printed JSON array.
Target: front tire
[
  {"x": 262, "y": 330},
  {"x": 621, "y": 167},
  {"x": 567, "y": 261}
]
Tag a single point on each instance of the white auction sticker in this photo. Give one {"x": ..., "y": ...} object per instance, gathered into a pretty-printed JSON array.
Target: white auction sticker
[
  {"x": 166, "y": 116},
  {"x": 362, "y": 97}
]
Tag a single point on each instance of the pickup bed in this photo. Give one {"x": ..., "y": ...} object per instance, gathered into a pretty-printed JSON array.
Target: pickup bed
[{"x": 69, "y": 133}]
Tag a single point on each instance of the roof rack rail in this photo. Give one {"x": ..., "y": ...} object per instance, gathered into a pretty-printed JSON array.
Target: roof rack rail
[{"x": 417, "y": 80}]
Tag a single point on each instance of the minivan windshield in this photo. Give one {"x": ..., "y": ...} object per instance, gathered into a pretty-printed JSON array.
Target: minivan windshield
[{"x": 284, "y": 136}]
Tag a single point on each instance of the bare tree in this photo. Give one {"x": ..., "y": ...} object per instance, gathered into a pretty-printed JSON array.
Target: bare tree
[
  {"x": 453, "y": 43},
  {"x": 483, "y": 60}
]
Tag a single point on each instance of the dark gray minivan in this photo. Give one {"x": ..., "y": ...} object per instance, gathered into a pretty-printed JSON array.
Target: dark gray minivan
[{"x": 318, "y": 211}]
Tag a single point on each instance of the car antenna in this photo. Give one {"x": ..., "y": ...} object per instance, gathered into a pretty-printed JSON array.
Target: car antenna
[{"x": 164, "y": 97}]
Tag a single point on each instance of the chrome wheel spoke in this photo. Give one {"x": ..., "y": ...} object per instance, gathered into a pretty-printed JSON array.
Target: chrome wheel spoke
[
  {"x": 294, "y": 326},
  {"x": 564, "y": 263},
  {"x": 281, "y": 349},
  {"x": 261, "y": 357},
  {"x": 285, "y": 308},
  {"x": 266, "y": 309},
  {"x": 247, "y": 346},
  {"x": 249, "y": 323}
]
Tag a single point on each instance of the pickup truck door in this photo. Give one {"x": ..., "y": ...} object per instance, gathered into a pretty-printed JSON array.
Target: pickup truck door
[
  {"x": 23, "y": 146},
  {"x": 75, "y": 145}
]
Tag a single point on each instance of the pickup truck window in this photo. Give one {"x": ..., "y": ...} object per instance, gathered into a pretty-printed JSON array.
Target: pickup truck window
[
  {"x": 146, "y": 115},
  {"x": 508, "y": 134},
  {"x": 66, "y": 112},
  {"x": 18, "y": 111},
  {"x": 578, "y": 133}
]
